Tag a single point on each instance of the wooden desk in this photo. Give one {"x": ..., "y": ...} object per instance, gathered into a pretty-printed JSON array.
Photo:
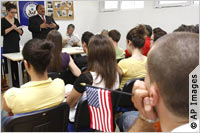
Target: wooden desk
[{"x": 19, "y": 59}]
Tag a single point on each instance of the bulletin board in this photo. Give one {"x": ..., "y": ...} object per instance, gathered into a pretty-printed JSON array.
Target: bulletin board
[{"x": 60, "y": 10}]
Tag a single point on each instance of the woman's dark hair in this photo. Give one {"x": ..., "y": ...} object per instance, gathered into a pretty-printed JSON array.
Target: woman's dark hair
[
  {"x": 56, "y": 62},
  {"x": 10, "y": 6},
  {"x": 137, "y": 36},
  {"x": 86, "y": 36},
  {"x": 149, "y": 30},
  {"x": 102, "y": 59},
  {"x": 158, "y": 32},
  {"x": 38, "y": 53}
]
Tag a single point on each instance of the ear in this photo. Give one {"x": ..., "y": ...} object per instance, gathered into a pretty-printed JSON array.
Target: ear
[
  {"x": 27, "y": 65},
  {"x": 154, "y": 94}
]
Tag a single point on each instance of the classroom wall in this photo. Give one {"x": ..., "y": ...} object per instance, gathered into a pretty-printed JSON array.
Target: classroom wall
[{"x": 166, "y": 18}]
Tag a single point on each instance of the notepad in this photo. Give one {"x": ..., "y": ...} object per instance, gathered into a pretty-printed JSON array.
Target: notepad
[{"x": 20, "y": 27}]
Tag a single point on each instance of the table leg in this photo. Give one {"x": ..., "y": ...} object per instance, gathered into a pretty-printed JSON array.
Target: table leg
[
  {"x": 9, "y": 73},
  {"x": 20, "y": 73}
]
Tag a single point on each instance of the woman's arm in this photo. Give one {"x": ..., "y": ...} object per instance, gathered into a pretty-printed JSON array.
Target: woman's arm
[
  {"x": 5, "y": 107},
  {"x": 10, "y": 29},
  {"x": 19, "y": 31},
  {"x": 73, "y": 98},
  {"x": 73, "y": 68}
]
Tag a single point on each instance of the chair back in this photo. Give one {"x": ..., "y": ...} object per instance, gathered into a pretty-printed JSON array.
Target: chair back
[
  {"x": 65, "y": 75},
  {"x": 53, "y": 119},
  {"x": 125, "y": 100},
  {"x": 82, "y": 117}
]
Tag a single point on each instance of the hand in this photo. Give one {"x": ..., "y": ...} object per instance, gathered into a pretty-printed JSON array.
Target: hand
[
  {"x": 65, "y": 41},
  {"x": 142, "y": 101},
  {"x": 52, "y": 25},
  {"x": 44, "y": 26},
  {"x": 13, "y": 27}
]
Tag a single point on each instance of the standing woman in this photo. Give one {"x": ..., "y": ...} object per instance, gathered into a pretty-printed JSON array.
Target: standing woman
[{"x": 11, "y": 37}]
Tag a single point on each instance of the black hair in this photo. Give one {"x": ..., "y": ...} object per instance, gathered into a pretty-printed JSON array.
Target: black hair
[
  {"x": 137, "y": 36},
  {"x": 10, "y": 6},
  {"x": 38, "y": 6},
  {"x": 158, "y": 33},
  {"x": 86, "y": 36},
  {"x": 115, "y": 35},
  {"x": 38, "y": 53},
  {"x": 70, "y": 25},
  {"x": 149, "y": 30},
  {"x": 188, "y": 28}
]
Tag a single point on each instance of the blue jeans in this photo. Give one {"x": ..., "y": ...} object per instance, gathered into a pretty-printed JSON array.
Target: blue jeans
[
  {"x": 126, "y": 120},
  {"x": 4, "y": 115}
]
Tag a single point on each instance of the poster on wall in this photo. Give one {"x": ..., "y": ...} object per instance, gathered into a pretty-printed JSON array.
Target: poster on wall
[
  {"x": 3, "y": 8},
  {"x": 60, "y": 10},
  {"x": 27, "y": 9}
]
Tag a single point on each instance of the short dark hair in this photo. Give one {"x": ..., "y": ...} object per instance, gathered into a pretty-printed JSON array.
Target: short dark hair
[
  {"x": 169, "y": 64},
  {"x": 10, "y": 6},
  {"x": 157, "y": 33},
  {"x": 115, "y": 35},
  {"x": 71, "y": 25},
  {"x": 137, "y": 36},
  {"x": 86, "y": 36},
  {"x": 188, "y": 28},
  {"x": 38, "y": 6},
  {"x": 38, "y": 53},
  {"x": 149, "y": 30}
]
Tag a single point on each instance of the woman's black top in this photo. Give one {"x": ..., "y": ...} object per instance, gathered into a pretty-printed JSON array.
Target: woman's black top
[{"x": 11, "y": 39}]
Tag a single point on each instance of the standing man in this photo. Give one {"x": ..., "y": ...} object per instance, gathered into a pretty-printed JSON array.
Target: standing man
[
  {"x": 40, "y": 24},
  {"x": 71, "y": 40}
]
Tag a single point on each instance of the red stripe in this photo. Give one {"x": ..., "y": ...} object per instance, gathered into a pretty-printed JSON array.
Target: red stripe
[
  {"x": 101, "y": 97},
  {"x": 110, "y": 105},
  {"x": 97, "y": 120},
  {"x": 91, "y": 121}
]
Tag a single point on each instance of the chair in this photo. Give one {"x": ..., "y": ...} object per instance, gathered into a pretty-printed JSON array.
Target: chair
[
  {"x": 53, "y": 119},
  {"x": 65, "y": 75},
  {"x": 82, "y": 117},
  {"x": 125, "y": 103}
]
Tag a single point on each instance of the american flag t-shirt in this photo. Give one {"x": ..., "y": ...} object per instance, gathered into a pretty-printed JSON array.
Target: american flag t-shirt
[{"x": 100, "y": 107}]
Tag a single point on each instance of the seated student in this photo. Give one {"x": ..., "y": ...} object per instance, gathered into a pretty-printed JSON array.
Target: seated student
[
  {"x": 104, "y": 32},
  {"x": 60, "y": 61},
  {"x": 147, "y": 44},
  {"x": 41, "y": 92},
  {"x": 101, "y": 72},
  {"x": 161, "y": 95},
  {"x": 134, "y": 66},
  {"x": 81, "y": 61},
  {"x": 157, "y": 33},
  {"x": 115, "y": 37}
]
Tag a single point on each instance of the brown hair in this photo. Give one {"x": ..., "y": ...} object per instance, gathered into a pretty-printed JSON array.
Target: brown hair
[
  {"x": 115, "y": 35},
  {"x": 169, "y": 63},
  {"x": 158, "y": 33},
  {"x": 102, "y": 59},
  {"x": 10, "y": 6},
  {"x": 38, "y": 53},
  {"x": 137, "y": 36},
  {"x": 56, "y": 62}
]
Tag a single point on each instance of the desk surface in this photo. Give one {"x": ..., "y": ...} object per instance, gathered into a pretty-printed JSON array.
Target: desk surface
[{"x": 19, "y": 57}]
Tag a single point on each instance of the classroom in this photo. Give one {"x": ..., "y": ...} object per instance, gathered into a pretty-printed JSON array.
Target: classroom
[{"x": 99, "y": 65}]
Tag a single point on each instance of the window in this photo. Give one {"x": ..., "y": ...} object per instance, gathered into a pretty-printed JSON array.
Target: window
[
  {"x": 132, "y": 4},
  {"x": 111, "y": 5},
  {"x": 196, "y": 2},
  {"x": 163, "y": 3}
]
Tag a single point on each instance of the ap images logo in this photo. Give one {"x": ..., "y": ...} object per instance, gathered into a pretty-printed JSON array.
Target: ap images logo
[{"x": 29, "y": 9}]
